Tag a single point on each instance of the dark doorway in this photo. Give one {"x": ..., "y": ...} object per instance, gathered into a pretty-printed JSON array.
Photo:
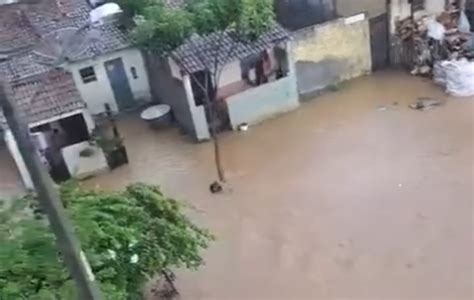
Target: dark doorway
[
  {"x": 119, "y": 82},
  {"x": 379, "y": 41},
  {"x": 75, "y": 128}
]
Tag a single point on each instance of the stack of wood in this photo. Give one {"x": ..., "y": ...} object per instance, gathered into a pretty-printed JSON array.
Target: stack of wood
[
  {"x": 425, "y": 51},
  {"x": 405, "y": 28}
]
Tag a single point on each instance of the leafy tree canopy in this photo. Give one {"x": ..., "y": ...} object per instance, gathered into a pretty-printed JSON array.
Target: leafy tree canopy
[
  {"x": 128, "y": 237},
  {"x": 162, "y": 28}
]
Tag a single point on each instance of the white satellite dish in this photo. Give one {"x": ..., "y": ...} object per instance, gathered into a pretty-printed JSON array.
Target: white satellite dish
[{"x": 105, "y": 13}]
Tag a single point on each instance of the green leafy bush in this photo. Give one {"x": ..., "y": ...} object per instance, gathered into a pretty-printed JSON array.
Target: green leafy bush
[{"x": 128, "y": 237}]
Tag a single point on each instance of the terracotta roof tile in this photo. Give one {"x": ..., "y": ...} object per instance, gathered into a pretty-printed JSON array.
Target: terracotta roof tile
[
  {"x": 23, "y": 26},
  {"x": 45, "y": 96}
]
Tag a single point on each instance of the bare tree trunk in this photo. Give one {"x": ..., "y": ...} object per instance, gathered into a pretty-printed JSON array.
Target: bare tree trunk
[
  {"x": 213, "y": 119},
  {"x": 217, "y": 153}
]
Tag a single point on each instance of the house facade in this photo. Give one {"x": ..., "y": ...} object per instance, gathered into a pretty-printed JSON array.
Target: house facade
[
  {"x": 51, "y": 106},
  {"x": 61, "y": 75},
  {"x": 257, "y": 82},
  {"x": 118, "y": 79}
]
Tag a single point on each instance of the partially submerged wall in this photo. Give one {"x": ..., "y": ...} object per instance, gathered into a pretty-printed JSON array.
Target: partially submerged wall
[
  {"x": 259, "y": 103},
  {"x": 332, "y": 52},
  {"x": 169, "y": 90}
]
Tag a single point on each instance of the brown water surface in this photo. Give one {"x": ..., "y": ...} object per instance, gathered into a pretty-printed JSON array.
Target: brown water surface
[{"x": 354, "y": 195}]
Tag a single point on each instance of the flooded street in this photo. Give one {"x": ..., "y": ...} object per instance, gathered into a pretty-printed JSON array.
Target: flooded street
[{"x": 354, "y": 195}]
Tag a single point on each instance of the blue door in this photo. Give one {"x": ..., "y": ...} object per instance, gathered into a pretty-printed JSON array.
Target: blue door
[{"x": 119, "y": 82}]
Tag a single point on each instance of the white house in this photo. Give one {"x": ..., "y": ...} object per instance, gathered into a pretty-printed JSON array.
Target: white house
[
  {"x": 99, "y": 68},
  {"x": 49, "y": 103},
  {"x": 104, "y": 65},
  {"x": 257, "y": 81},
  {"x": 118, "y": 78}
]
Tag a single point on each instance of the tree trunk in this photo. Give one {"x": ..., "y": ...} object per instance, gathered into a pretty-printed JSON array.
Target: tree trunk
[
  {"x": 215, "y": 139},
  {"x": 217, "y": 157}
]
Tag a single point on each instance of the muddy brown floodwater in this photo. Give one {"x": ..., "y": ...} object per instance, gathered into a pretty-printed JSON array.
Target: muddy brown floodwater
[{"x": 336, "y": 200}]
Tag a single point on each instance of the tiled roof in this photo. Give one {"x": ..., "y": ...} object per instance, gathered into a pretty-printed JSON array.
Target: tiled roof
[
  {"x": 28, "y": 38},
  {"x": 23, "y": 26},
  {"x": 45, "y": 96},
  {"x": 198, "y": 53},
  {"x": 20, "y": 67},
  {"x": 15, "y": 30}
]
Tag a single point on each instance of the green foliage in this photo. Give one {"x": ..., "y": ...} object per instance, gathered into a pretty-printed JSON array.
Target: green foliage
[
  {"x": 128, "y": 237},
  {"x": 162, "y": 29}
]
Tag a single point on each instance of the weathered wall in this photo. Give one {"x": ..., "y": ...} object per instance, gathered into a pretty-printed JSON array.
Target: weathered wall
[
  {"x": 373, "y": 8},
  {"x": 169, "y": 90},
  {"x": 231, "y": 73},
  {"x": 262, "y": 102},
  {"x": 16, "y": 155},
  {"x": 99, "y": 92},
  {"x": 330, "y": 53},
  {"x": 198, "y": 113}
]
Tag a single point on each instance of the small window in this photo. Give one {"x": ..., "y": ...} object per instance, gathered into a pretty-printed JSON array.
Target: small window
[
  {"x": 88, "y": 74},
  {"x": 133, "y": 70}
]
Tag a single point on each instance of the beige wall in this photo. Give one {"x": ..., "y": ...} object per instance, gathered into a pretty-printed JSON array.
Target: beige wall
[
  {"x": 331, "y": 52},
  {"x": 351, "y": 7},
  {"x": 99, "y": 92},
  {"x": 231, "y": 73}
]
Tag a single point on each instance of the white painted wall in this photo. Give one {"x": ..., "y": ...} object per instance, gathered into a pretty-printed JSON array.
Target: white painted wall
[
  {"x": 230, "y": 73},
  {"x": 20, "y": 163},
  {"x": 83, "y": 167},
  {"x": 198, "y": 113},
  {"x": 435, "y": 6},
  {"x": 99, "y": 92}
]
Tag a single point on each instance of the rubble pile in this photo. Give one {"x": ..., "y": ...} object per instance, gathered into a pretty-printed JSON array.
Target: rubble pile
[{"x": 441, "y": 47}]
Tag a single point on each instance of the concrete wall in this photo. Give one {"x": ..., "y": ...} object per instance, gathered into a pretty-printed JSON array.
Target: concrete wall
[
  {"x": 16, "y": 155},
  {"x": 169, "y": 90},
  {"x": 84, "y": 167},
  {"x": 99, "y": 92},
  {"x": 262, "y": 102},
  {"x": 177, "y": 93},
  {"x": 230, "y": 73},
  {"x": 373, "y": 8},
  {"x": 198, "y": 113},
  {"x": 332, "y": 52}
]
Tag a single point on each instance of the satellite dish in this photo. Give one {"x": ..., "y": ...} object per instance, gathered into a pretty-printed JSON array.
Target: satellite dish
[{"x": 106, "y": 13}]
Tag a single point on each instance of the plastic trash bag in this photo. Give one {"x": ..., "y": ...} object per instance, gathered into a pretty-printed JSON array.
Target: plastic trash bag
[
  {"x": 436, "y": 30},
  {"x": 439, "y": 74},
  {"x": 459, "y": 77}
]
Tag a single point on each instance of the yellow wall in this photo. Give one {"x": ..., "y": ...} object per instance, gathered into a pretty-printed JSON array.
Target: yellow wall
[{"x": 328, "y": 53}]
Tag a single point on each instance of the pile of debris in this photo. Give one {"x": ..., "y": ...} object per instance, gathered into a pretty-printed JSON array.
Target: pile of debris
[{"x": 442, "y": 47}]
